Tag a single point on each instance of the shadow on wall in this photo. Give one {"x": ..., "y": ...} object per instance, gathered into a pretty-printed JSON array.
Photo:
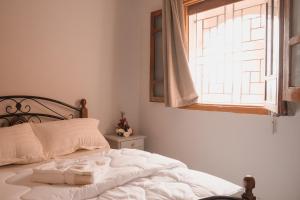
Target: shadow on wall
[{"x": 61, "y": 49}]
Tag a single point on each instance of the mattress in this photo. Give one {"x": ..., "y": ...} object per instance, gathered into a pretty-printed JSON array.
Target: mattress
[{"x": 134, "y": 175}]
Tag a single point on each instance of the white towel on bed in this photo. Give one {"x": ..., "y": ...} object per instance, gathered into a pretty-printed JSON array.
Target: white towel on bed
[{"x": 70, "y": 171}]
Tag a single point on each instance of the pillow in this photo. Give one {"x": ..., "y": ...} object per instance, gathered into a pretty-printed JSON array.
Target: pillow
[
  {"x": 19, "y": 145},
  {"x": 67, "y": 136}
]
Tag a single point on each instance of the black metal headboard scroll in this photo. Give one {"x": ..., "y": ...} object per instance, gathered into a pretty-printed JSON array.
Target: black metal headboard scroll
[{"x": 18, "y": 109}]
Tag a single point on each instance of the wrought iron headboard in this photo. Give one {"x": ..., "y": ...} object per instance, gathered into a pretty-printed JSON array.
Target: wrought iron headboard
[{"x": 18, "y": 109}]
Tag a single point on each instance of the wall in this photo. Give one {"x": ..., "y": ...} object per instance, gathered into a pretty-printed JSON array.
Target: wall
[
  {"x": 98, "y": 49},
  {"x": 64, "y": 49},
  {"x": 128, "y": 68},
  {"x": 224, "y": 144}
]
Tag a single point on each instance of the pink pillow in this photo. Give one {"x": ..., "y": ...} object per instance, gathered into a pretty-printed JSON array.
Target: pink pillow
[
  {"x": 67, "y": 136},
  {"x": 19, "y": 145}
]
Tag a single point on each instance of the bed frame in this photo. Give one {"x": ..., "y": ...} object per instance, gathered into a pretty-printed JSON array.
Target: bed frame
[
  {"x": 18, "y": 109},
  {"x": 249, "y": 185}
]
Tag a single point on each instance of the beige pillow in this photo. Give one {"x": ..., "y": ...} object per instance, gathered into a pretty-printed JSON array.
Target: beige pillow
[
  {"x": 19, "y": 145},
  {"x": 66, "y": 136}
]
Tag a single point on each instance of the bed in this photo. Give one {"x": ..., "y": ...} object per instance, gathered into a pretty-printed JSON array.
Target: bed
[{"x": 130, "y": 174}]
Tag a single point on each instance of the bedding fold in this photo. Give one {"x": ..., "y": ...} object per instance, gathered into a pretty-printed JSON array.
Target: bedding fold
[
  {"x": 121, "y": 167},
  {"x": 129, "y": 174},
  {"x": 70, "y": 171}
]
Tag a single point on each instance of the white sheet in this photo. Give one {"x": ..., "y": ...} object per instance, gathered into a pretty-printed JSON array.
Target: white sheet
[{"x": 134, "y": 175}]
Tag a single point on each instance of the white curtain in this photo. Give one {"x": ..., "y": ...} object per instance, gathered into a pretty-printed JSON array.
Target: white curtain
[{"x": 179, "y": 87}]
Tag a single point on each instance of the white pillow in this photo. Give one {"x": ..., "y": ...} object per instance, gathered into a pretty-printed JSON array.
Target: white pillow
[
  {"x": 66, "y": 136},
  {"x": 19, "y": 145}
]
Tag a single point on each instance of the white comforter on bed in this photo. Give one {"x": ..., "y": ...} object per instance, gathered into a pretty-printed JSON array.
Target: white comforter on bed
[{"x": 130, "y": 174}]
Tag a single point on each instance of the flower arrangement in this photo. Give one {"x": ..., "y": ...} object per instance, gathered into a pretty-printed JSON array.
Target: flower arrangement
[{"x": 123, "y": 129}]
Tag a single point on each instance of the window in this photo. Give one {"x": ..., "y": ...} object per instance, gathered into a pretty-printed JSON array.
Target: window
[
  {"x": 234, "y": 54},
  {"x": 292, "y": 50},
  {"x": 227, "y": 53},
  {"x": 156, "y": 62},
  {"x": 244, "y": 54}
]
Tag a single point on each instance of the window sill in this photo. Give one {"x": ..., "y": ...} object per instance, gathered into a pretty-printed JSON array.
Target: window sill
[
  {"x": 157, "y": 99},
  {"x": 229, "y": 108}
]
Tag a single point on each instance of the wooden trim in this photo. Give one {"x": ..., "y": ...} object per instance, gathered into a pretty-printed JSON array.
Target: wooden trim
[
  {"x": 274, "y": 64},
  {"x": 157, "y": 99},
  {"x": 229, "y": 108},
  {"x": 290, "y": 93},
  {"x": 249, "y": 185},
  {"x": 84, "y": 113},
  {"x": 152, "y": 82},
  {"x": 202, "y": 5},
  {"x": 294, "y": 40},
  {"x": 152, "y": 97},
  {"x": 194, "y": 6},
  {"x": 186, "y": 26},
  {"x": 157, "y": 81},
  {"x": 286, "y": 57},
  {"x": 156, "y": 13},
  {"x": 155, "y": 30},
  {"x": 282, "y": 105},
  {"x": 187, "y": 3},
  {"x": 152, "y": 54}
]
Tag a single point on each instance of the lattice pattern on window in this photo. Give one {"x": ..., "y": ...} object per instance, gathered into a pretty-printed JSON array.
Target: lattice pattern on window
[{"x": 227, "y": 53}]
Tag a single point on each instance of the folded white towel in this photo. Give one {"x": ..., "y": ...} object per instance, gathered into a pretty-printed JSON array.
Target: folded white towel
[{"x": 70, "y": 171}]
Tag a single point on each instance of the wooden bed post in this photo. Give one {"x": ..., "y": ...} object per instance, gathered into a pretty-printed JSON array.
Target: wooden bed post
[
  {"x": 249, "y": 184},
  {"x": 84, "y": 110}
]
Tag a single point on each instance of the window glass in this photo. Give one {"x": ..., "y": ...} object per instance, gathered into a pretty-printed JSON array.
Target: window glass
[
  {"x": 159, "y": 89},
  {"x": 295, "y": 66},
  {"x": 156, "y": 61},
  {"x": 295, "y": 50},
  {"x": 158, "y": 70},
  {"x": 227, "y": 53},
  {"x": 295, "y": 17}
]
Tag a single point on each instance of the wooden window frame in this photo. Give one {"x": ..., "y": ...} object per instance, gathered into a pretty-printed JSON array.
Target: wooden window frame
[
  {"x": 153, "y": 31},
  {"x": 282, "y": 94},
  {"x": 280, "y": 108},
  {"x": 203, "y": 5},
  {"x": 290, "y": 93},
  {"x": 229, "y": 108}
]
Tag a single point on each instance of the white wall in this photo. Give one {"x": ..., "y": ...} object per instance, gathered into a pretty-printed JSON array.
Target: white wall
[
  {"x": 128, "y": 68},
  {"x": 224, "y": 144},
  {"x": 99, "y": 49},
  {"x": 67, "y": 50}
]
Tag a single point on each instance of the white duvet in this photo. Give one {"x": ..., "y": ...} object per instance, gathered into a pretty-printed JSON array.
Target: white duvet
[{"x": 130, "y": 174}]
